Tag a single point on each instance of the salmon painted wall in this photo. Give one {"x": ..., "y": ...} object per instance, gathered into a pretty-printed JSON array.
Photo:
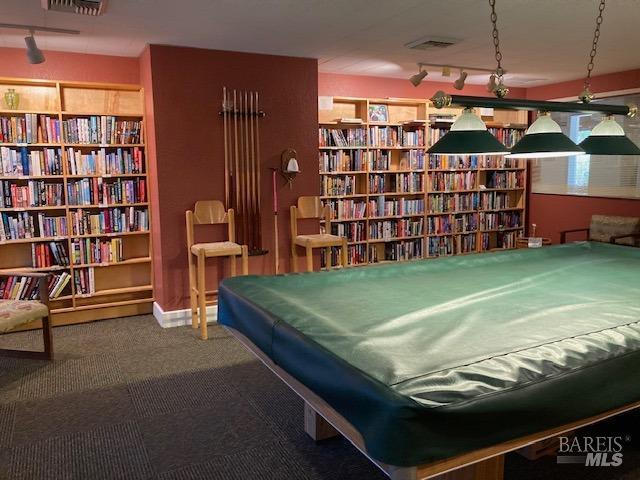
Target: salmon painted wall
[
  {"x": 553, "y": 213},
  {"x": 364, "y": 86},
  {"x": 189, "y": 158},
  {"x": 78, "y": 67}
]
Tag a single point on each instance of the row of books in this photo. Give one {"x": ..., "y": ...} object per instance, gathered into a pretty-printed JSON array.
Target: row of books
[
  {"x": 513, "y": 179},
  {"x": 101, "y": 162},
  {"x": 507, "y": 136},
  {"x": 49, "y": 254},
  {"x": 346, "y": 209},
  {"x": 500, "y": 220},
  {"x": 395, "y": 137},
  {"x": 451, "y": 245},
  {"x": 456, "y": 202},
  {"x": 383, "y": 207},
  {"x": 355, "y": 254},
  {"x": 22, "y": 162},
  {"x": 451, "y": 181},
  {"x": 452, "y": 162},
  {"x": 404, "y": 250},
  {"x": 390, "y": 229},
  {"x": 443, "y": 224},
  {"x": 111, "y": 220},
  {"x": 499, "y": 240},
  {"x": 95, "y": 250},
  {"x": 348, "y": 137},
  {"x": 342, "y": 161},
  {"x": 354, "y": 231},
  {"x": 398, "y": 182},
  {"x": 103, "y": 129},
  {"x": 27, "y": 288},
  {"x": 36, "y": 193},
  {"x": 500, "y": 161},
  {"x": 96, "y": 191},
  {"x": 84, "y": 280},
  {"x": 29, "y": 128},
  {"x": 495, "y": 201},
  {"x": 22, "y": 225},
  {"x": 338, "y": 185}
]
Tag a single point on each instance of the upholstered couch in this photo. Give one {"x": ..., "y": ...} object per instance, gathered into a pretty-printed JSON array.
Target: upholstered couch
[{"x": 609, "y": 228}]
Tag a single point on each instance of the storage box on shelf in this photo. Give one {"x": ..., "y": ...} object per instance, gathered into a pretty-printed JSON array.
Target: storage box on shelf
[
  {"x": 74, "y": 196},
  {"x": 395, "y": 202}
]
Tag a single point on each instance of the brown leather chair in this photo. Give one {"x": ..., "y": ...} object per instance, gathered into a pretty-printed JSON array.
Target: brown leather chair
[
  {"x": 311, "y": 207},
  {"x": 608, "y": 228}
]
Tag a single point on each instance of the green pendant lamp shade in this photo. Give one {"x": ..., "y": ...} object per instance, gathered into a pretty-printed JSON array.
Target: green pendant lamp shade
[
  {"x": 608, "y": 138},
  {"x": 543, "y": 139},
  {"x": 468, "y": 136}
]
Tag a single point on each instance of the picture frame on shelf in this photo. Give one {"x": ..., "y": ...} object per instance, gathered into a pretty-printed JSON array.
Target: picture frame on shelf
[{"x": 379, "y": 113}]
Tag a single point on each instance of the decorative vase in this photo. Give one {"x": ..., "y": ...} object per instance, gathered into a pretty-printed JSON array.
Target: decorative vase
[{"x": 11, "y": 99}]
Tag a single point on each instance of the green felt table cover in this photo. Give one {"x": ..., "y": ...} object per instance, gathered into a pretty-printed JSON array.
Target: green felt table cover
[{"x": 434, "y": 358}]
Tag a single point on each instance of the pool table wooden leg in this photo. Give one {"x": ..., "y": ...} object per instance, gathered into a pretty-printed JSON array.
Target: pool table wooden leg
[
  {"x": 316, "y": 426},
  {"x": 490, "y": 469}
]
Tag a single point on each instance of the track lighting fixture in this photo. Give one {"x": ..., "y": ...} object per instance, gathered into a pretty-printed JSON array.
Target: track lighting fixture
[
  {"x": 468, "y": 136},
  {"x": 459, "y": 83},
  {"x": 544, "y": 139},
  {"x": 34, "y": 54},
  {"x": 418, "y": 77}
]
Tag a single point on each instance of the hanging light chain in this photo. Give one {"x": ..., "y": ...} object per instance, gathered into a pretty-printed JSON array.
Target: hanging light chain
[
  {"x": 586, "y": 96},
  {"x": 496, "y": 38}
]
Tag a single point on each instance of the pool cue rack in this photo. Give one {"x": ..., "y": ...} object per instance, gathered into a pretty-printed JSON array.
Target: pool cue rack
[{"x": 241, "y": 116}]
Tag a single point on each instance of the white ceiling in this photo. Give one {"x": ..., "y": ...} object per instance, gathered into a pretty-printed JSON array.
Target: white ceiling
[{"x": 543, "y": 41}]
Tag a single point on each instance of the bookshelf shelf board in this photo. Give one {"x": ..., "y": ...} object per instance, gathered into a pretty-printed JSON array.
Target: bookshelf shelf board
[
  {"x": 505, "y": 209},
  {"x": 397, "y": 147},
  {"x": 353, "y": 195},
  {"x": 345, "y": 148},
  {"x": 34, "y": 240},
  {"x": 395, "y": 194},
  {"x": 501, "y": 189},
  {"x": 452, "y": 234},
  {"x": 110, "y": 234},
  {"x": 32, "y": 209},
  {"x": 30, "y": 144},
  {"x": 457, "y": 212},
  {"x": 94, "y": 114},
  {"x": 396, "y": 171},
  {"x": 354, "y": 172},
  {"x": 54, "y": 268},
  {"x": 5, "y": 112},
  {"x": 115, "y": 291},
  {"x": 453, "y": 170},
  {"x": 356, "y": 242},
  {"x": 394, "y": 239},
  {"x": 31, "y": 177},
  {"x": 456, "y": 191},
  {"x": 348, "y": 219},
  {"x": 110, "y": 205},
  {"x": 113, "y": 304},
  {"x": 109, "y": 175},
  {"x": 111, "y": 264},
  {"x": 502, "y": 169},
  {"x": 389, "y": 217},
  {"x": 103, "y": 145},
  {"x": 508, "y": 229}
]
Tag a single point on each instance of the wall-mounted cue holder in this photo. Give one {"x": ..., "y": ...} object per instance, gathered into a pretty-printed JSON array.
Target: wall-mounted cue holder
[{"x": 289, "y": 167}]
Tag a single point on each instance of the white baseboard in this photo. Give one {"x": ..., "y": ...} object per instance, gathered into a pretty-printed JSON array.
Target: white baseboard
[{"x": 179, "y": 318}]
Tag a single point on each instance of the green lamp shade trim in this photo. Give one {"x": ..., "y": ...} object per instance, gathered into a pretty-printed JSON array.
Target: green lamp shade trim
[
  {"x": 609, "y": 145},
  {"x": 468, "y": 142},
  {"x": 533, "y": 143}
]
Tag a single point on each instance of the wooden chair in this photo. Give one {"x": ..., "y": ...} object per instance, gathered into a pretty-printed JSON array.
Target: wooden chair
[
  {"x": 606, "y": 228},
  {"x": 311, "y": 207},
  {"x": 15, "y": 313},
  {"x": 209, "y": 212}
]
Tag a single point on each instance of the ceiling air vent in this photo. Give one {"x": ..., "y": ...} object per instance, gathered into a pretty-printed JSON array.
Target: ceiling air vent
[
  {"x": 81, "y": 7},
  {"x": 429, "y": 43}
]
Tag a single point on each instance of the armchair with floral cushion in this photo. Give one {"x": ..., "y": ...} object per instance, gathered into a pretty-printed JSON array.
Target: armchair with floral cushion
[{"x": 16, "y": 313}]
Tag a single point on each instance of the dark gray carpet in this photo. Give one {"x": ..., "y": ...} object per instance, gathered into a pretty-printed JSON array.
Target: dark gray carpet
[{"x": 126, "y": 399}]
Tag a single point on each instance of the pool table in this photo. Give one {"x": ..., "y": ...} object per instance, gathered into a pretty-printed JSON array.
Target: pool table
[{"x": 435, "y": 365}]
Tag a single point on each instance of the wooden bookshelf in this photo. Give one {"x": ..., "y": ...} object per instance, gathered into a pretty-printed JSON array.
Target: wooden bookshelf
[
  {"x": 386, "y": 161},
  {"x": 123, "y": 283}
]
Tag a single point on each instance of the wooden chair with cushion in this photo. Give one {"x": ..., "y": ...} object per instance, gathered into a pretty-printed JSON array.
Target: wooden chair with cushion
[
  {"x": 16, "y": 313},
  {"x": 309, "y": 208},
  {"x": 209, "y": 212},
  {"x": 607, "y": 228}
]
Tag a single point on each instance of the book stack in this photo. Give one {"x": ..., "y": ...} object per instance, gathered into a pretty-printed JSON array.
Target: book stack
[
  {"x": 22, "y": 162},
  {"x": 113, "y": 220},
  {"x": 84, "y": 280},
  {"x": 94, "y": 250},
  {"x": 96, "y": 191},
  {"x": 101, "y": 162},
  {"x": 34, "y": 194},
  {"x": 29, "y": 129},
  {"x": 49, "y": 254}
]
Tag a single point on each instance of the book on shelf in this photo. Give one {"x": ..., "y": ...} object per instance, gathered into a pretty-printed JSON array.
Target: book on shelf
[
  {"x": 52, "y": 226},
  {"x": 453, "y": 162},
  {"x": 36, "y": 193},
  {"x": 18, "y": 287},
  {"x": 109, "y": 220},
  {"x": 510, "y": 179},
  {"x": 350, "y": 120},
  {"x": 24, "y": 162},
  {"x": 101, "y": 129},
  {"x": 402, "y": 250},
  {"x": 84, "y": 280},
  {"x": 392, "y": 229},
  {"x": 451, "y": 181},
  {"x": 441, "y": 118},
  {"x": 499, "y": 161},
  {"x": 490, "y": 241},
  {"x": 94, "y": 250},
  {"x": 338, "y": 185},
  {"x": 354, "y": 231},
  {"x": 99, "y": 191},
  {"x": 29, "y": 128},
  {"x": 345, "y": 137},
  {"x": 342, "y": 161},
  {"x": 382, "y": 206},
  {"x": 500, "y": 220},
  {"x": 453, "y": 202},
  {"x": 49, "y": 254},
  {"x": 103, "y": 162},
  {"x": 395, "y": 137},
  {"x": 344, "y": 209}
]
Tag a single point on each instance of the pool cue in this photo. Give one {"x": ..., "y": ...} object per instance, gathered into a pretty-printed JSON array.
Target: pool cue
[
  {"x": 225, "y": 119},
  {"x": 241, "y": 172},
  {"x": 275, "y": 221},
  {"x": 257, "y": 172},
  {"x": 235, "y": 156},
  {"x": 249, "y": 193},
  {"x": 252, "y": 168}
]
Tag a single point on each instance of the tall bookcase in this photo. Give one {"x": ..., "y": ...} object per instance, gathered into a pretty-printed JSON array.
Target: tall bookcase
[
  {"x": 74, "y": 180},
  {"x": 395, "y": 202}
]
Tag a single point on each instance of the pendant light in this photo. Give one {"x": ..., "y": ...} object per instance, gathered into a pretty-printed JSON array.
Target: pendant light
[
  {"x": 543, "y": 139},
  {"x": 608, "y": 138},
  {"x": 468, "y": 136}
]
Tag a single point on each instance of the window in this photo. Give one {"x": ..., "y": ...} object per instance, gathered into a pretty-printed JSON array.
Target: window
[{"x": 591, "y": 175}]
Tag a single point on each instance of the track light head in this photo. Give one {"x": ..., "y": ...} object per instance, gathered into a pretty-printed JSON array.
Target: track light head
[
  {"x": 34, "y": 54},
  {"x": 459, "y": 83},
  {"x": 418, "y": 77}
]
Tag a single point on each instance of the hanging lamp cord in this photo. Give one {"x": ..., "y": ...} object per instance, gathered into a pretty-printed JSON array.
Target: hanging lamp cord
[
  {"x": 496, "y": 38},
  {"x": 586, "y": 96}
]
